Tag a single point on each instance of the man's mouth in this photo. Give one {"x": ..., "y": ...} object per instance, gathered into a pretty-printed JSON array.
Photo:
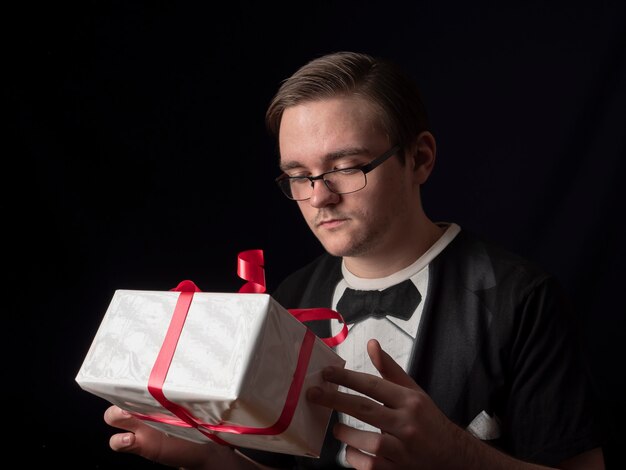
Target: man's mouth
[{"x": 330, "y": 223}]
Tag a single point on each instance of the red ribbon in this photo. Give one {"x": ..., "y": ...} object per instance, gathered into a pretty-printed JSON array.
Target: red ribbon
[
  {"x": 249, "y": 268},
  {"x": 307, "y": 314}
]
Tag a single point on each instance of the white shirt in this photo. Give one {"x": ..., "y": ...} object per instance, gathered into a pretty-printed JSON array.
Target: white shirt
[{"x": 396, "y": 336}]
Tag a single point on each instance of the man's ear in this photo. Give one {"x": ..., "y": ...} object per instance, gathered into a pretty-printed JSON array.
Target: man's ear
[{"x": 422, "y": 156}]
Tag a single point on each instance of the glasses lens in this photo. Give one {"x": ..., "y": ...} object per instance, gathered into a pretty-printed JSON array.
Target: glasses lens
[
  {"x": 300, "y": 188},
  {"x": 345, "y": 181},
  {"x": 338, "y": 181},
  {"x": 285, "y": 187}
]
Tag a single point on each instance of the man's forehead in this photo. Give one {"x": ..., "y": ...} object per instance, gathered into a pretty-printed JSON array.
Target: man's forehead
[{"x": 325, "y": 129}]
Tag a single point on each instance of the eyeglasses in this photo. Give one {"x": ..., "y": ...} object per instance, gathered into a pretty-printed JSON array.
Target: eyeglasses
[{"x": 343, "y": 181}]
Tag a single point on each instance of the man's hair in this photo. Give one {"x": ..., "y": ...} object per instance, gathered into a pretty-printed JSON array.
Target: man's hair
[{"x": 381, "y": 82}]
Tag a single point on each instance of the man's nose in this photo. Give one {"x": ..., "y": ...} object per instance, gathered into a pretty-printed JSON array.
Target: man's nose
[{"x": 321, "y": 195}]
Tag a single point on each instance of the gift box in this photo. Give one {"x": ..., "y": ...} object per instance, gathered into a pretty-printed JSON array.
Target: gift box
[{"x": 226, "y": 367}]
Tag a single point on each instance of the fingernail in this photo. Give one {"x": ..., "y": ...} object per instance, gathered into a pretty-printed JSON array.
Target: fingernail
[
  {"x": 125, "y": 412},
  {"x": 126, "y": 439}
]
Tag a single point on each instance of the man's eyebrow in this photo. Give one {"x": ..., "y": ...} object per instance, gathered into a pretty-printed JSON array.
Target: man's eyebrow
[{"x": 330, "y": 157}]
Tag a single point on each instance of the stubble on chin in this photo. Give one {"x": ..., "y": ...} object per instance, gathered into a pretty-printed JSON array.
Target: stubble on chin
[{"x": 347, "y": 242}]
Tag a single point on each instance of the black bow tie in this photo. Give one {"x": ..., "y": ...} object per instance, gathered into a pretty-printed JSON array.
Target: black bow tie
[{"x": 399, "y": 301}]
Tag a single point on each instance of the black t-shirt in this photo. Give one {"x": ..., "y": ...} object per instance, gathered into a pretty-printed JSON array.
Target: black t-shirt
[{"x": 497, "y": 335}]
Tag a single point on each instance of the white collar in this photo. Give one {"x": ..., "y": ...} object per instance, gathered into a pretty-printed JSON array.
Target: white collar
[{"x": 360, "y": 283}]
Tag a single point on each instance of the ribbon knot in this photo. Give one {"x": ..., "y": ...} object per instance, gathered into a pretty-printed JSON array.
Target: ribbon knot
[{"x": 399, "y": 301}]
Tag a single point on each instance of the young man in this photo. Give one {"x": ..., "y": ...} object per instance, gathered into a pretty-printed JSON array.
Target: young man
[{"x": 475, "y": 367}]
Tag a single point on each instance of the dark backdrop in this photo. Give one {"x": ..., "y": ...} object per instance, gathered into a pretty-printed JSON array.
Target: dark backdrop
[{"x": 135, "y": 156}]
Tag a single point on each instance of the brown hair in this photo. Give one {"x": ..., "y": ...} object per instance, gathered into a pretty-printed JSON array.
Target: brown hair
[{"x": 383, "y": 83}]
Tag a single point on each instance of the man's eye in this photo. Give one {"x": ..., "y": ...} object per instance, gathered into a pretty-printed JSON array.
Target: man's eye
[
  {"x": 348, "y": 171},
  {"x": 299, "y": 174},
  {"x": 298, "y": 180}
]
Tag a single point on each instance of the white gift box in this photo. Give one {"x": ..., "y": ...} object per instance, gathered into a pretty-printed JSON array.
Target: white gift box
[{"x": 233, "y": 363}]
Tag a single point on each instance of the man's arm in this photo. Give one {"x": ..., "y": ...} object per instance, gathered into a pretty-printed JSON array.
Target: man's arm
[{"x": 592, "y": 460}]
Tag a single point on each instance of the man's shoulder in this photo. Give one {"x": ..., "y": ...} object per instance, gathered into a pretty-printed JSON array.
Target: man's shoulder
[{"x": 471, "y": 253}]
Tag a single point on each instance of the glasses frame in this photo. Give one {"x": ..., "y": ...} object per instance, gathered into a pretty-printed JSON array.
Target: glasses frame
[{"x": 365, "y": 169}]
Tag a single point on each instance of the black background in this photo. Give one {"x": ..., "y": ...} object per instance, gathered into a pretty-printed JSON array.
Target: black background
[{"x": 136, "y": 156}]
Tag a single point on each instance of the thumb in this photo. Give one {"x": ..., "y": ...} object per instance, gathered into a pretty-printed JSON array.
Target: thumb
[{"x": 388, "y": 368}]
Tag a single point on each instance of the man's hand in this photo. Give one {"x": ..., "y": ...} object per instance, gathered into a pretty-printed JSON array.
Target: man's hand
[
  {"x": 153, "y": 444},
  {"x": 414, "y": 432}
]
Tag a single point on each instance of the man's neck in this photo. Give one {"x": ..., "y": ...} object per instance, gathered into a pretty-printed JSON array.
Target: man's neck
[{"x": 387, "y": 262}]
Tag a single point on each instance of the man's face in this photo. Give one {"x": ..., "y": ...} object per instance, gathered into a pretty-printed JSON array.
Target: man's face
[{"x": 330, "y": 134}]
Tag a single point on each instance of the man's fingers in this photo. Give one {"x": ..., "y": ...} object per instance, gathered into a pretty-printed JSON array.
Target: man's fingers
[
  {"x": 122, "y": 419},
  {"x": 390, "y": 390},
  {"x": 119, "y": 418},
  {"x": 362, "y": 408},
  {"x": 388, "y": 368},
  {"x": 367, "y": 449},
  {"x": 122, "y": 442},
  {"x": 369, "y": 385}
]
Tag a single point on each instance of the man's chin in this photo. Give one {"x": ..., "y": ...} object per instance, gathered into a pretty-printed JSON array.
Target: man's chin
[
  {"x": 336, "y": 248},
  {"x": 341, "y": 242}
]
